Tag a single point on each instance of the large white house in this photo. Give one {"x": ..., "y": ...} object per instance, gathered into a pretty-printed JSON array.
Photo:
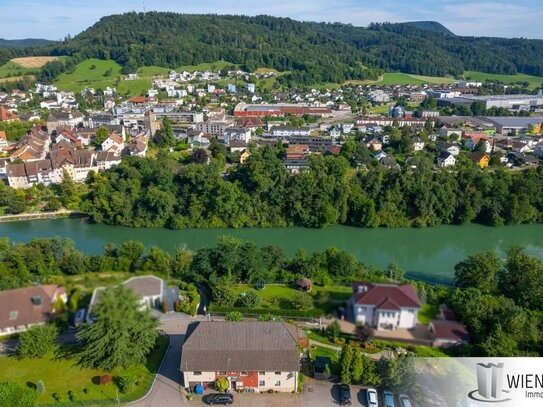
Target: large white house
[{"x": 385, "y": 306}]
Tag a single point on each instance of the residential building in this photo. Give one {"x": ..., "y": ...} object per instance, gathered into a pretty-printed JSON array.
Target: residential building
[
  {"x": 114, "y": 143},
  {"x": 3, "y": 139},
  {"x": 480, "y": 158},
  {"x": 64, "y": 119},
  {"x": 148, "y": 289},
  {"x": 213, "y": 128},
  {"x": 445, "y": 159},
  {"x": 289, "y": 131},
  {"x": 316, "y": 144},
  {"x": 448, "y": 333},
  {"x": 261, "y": 356},
  {"x": 385, "y": 306},
  {"x": 238, "y": 134},
  {"x": 418, "y": 144},
  {"x": 23, "y": 308}
]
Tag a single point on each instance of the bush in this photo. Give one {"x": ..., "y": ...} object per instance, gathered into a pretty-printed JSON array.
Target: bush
[
  {"x": 234, "y": 316},
  {"x": 126, "y": 383},
  {"x": 37, "y": 341},
  {"x": 250, "y": 299},
  {"x": 72, "y": 395},
  {"x": 105, "y": 379},
  {"x": 223, "y": 296},
  {"x": 57, "y": 396},
  {"x": 302, "y": 302},
  {"x": 221, "y": 384},
  {"x": 286, "y": 313}
]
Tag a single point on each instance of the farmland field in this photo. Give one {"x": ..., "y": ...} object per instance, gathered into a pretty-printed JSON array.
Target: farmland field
[
  {"x": 214, "y": 66},
  {"x": 91, "y": 73},
  {"x": 33, "y": 62},
  {"x": 11, "y": 69}
]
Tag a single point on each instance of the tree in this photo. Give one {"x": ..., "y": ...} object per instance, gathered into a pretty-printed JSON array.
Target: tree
[
  {"x": 479, "y": 270},
  {"x": 357, "y": 366},
  {"x": 132, "y": 250},
  {"x": 234, "y": 316},
  {"x": 101, "y": 135},
  {"x": 249, "y": 300},
  {"x": 394, "y": 272},
  {"x": 302, "y": 302},
  {"x": 333, "y": 330},
  {"x": 37, "y": 341},
  {"x": 165, "y": 136},
  {"x": 181, "y": 262},
  {"x": 199, "y": 156},
  {"x": 345, "y": 362},
  {"x": 126, "y": 383},
  {"x": 158, "y": 260},
  {"x": 223, "y": 295},
  {"x": 122, "y": 334},
  {"x": 14, "y": 394}
]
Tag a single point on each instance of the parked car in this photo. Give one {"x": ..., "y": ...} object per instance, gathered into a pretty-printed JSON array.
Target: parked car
[
  {"x": 371, "y": 395},
  {"x": 344, "y": 395},
  {"x": 388, "y": 398},
  {"x": 404, "y": 401},
  {"x": 222, "y": 399}
]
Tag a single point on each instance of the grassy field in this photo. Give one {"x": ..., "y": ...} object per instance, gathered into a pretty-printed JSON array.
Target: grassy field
[
  {"x": 11, "y": 69},
  {"x": 206, "y": 66},
  {"x": 90, "y": 73},
  {"x": 61, "y": 375},
  {"x": 533, "y": 81},
  {"x": 150, "y": 71},
  {"x": 135, "y": 87}
]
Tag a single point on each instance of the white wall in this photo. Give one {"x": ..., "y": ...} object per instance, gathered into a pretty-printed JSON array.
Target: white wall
[
  {"x": 289, "y": 381},
  {"x": 408, "y": 318}
]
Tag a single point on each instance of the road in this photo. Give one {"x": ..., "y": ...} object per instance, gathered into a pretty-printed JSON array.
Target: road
[{"x": 166, "y": 390}]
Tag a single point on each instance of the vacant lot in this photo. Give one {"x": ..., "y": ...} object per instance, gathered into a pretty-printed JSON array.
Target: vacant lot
[{"x": 33, "y": 62}]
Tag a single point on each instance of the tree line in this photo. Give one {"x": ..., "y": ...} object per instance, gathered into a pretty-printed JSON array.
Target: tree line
[{"x": 143, "y": 192}]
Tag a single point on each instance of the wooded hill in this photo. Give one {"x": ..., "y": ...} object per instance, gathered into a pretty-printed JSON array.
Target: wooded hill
[{"x": 311, "y": 52}]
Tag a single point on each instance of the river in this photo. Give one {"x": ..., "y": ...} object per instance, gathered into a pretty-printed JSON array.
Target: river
[{"x": 428, "y": 254}]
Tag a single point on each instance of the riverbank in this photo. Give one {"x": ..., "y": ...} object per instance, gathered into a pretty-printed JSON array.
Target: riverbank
[{"x": 64, "y": 213}]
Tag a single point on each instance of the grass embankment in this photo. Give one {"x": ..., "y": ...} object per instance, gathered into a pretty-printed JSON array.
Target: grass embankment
[
  {"x": 62, "y": 375},
  {"x": 533, "y": 81}
]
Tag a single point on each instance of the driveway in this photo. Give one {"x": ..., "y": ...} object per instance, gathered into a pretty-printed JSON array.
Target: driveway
[
  {"x": 320, "y": 394},
  {"x": 166, "y": 390}
]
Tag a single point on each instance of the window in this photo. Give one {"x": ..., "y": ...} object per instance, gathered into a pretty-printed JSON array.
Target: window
[
  {"x": 261, "y": 373},
  {"x": 277, "y": 373},
  {"x": 244, "y": 373},
  {"x": 277, "y": 383},
  {"x": 197, "y": 373},
  {"x": 13, "y": 315},
  {"x": 222, "y": 373},
  {"x": 262, "y": 383}
]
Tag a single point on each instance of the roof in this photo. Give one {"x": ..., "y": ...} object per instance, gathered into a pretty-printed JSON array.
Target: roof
[
  {"x": 3, "y": 135},
  {"x": 386, "y": 296},
  {"x": 236, "y": 346},
  {"x": 303, "y": 282},
  {"x": 450, "y": 330},
  {"x": 117, "y": 138},
  {"x": 145, "y": 286},
  {"x": 20, "y": 300},
  {"x": 477, "y": 156}
]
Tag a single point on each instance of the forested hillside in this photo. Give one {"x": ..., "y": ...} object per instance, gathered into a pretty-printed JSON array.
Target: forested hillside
[
  {"x": 313, "y": 52},
  {"x": 27, "y": 42}
]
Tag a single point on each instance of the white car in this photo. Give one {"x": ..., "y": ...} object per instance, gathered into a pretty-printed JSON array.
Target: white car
[
  {"x": 388, "y": 398},
  {"x": 404, "y": 401},
  {"x": 371, "y": 395}
]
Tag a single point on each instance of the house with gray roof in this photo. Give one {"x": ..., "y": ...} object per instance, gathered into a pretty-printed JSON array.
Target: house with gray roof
[
  {"x": 148, "y": 289},
  {"x": 250, "y": 354}
]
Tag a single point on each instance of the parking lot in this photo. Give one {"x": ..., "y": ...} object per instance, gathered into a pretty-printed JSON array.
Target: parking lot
[{"x": 320, "y": 394}]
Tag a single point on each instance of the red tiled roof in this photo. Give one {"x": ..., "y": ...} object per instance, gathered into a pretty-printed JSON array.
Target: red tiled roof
[
  {"x": 389, "y": 305},
  {"x": 3, "y": 135},
  {"x": 450, "y": 330},
  {"x": 380, "y": 295}
]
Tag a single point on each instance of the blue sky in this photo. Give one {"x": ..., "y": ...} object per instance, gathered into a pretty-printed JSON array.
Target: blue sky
[{"x": 54, "y": 19}]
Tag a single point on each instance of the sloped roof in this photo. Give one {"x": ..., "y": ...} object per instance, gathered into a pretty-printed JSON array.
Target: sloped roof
[
  {"x": 20, "y": 300},
  {"x": 237, "y": 346},
  {"x": 450, "y": 330},
  {"x": 386, "y": 296}
]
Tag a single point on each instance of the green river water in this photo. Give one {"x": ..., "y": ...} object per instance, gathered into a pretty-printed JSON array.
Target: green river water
[{"x": 428, "y": 254}]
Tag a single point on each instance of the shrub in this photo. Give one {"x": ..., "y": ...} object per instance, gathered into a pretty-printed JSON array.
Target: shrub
[
  {"x": 221, "y": 384},
  {"x": 126, "y": 383},
  {"x": 234, "y": 316},
  {"x": 37, "y": 341},
  {"x": 250, "y": 299},
  {"x": 302, "y": 302},
  {"x": 57, "y": 396},
  {"x": 282, "y": 312},
  {"x": 105, "y": 379},
  {"x": 223, "y": 295},
  {"x": 72, "y": 395}
]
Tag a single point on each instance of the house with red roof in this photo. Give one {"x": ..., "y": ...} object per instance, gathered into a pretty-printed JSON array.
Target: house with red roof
[{"x": 385, "y": 306}]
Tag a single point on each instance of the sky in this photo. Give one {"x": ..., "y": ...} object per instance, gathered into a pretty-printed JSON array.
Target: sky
[{"x": 54, "y": 19}]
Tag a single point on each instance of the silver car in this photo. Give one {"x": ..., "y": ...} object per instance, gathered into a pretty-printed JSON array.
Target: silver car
[
  {"x": 404, "y": 401},
  {"x": 371, "y": 395}
]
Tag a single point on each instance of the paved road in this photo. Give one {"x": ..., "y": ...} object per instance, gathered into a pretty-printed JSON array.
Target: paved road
[{"x": 166, "y": 390}]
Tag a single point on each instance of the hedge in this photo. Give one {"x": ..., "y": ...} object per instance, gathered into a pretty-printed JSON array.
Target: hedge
[{"x": 293, "y": 313}]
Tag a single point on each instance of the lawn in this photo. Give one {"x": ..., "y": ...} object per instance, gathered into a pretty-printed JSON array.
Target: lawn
[
  {"x": 61, "y": 376},
  {"x": 150, "y": 71},
  {"x": 135, "y": 87},
  {"x": 427, "y": 313},
  {"x": 533, "y": 81},
  {"x": 90, "y": 73}
]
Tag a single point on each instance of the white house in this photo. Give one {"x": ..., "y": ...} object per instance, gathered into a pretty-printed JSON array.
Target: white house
[
  {"x": 385, "y": 306},
  {"x": 148, "y": 289},
  {"x": 114, "y": 143},
  {"x": 418, "y": 144},
  {"x": 238, "y": 134},
  {"x": 445, "y": 159}
]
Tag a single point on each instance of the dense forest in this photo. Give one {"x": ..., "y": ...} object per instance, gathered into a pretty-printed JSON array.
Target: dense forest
[
  {"x": 148, "y": 192},
  {"x": 27, "y": 42},
  {"x": 311, "y": 52}
]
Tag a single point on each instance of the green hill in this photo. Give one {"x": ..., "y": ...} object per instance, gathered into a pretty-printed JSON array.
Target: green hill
[
  {"x": 432, "y": 26},
  {"x": 27, "y": 42}
]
